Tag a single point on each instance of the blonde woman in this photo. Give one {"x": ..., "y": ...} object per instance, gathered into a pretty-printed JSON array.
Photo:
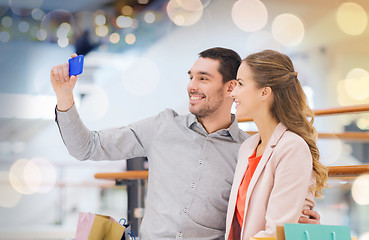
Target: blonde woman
[{"x": 278, "y": 171}]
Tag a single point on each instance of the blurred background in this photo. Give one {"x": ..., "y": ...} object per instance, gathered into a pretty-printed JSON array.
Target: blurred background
[{"x": 137, "y": 54}]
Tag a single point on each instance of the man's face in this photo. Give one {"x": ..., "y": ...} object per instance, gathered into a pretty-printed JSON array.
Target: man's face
[{"x": 206, "y": 90}]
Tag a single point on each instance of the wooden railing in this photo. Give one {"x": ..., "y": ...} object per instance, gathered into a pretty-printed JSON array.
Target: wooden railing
[
  {"x": 333, "y": 171},
  {"x": 352, "y": 136}
]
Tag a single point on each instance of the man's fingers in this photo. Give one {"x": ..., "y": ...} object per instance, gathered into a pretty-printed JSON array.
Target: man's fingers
[
  {"x": 56, "y": 73},
  {"x": 313, "y": 214},
  {"x": 66, "y": 72}
]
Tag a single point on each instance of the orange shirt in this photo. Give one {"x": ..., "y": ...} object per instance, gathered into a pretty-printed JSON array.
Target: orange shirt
[{"x": 241, "y": 196}]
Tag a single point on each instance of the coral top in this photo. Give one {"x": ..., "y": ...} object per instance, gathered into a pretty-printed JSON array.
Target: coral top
[{"x": 241, "y": 196}]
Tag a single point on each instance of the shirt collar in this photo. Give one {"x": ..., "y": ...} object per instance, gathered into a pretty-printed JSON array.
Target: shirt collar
[{"x": 232, "y": 131}]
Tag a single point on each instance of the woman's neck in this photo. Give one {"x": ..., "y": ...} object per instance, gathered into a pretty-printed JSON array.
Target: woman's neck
[{"x": 266, "y": 125}]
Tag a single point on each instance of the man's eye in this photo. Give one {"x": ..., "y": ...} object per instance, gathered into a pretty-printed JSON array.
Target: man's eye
[
  {"x": 202, "y": 78},
  {"x": 240, "y": 84}
]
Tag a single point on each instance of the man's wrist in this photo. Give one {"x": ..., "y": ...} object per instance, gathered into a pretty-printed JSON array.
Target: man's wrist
[{"x": 65, "y": 103}]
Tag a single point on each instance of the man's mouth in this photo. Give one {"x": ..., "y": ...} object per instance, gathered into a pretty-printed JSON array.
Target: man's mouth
[{"x": 196, "y": 98}]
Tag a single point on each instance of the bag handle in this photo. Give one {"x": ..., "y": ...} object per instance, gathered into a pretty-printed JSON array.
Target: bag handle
[{"x": 307, "y": 235}]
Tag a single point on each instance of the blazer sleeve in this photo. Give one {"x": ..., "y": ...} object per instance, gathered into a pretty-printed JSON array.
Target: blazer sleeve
[{"x": 293, "y": 172}]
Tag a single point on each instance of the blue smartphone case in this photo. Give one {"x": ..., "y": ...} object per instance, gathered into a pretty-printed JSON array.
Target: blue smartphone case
[{"x": 76, "y": 65}]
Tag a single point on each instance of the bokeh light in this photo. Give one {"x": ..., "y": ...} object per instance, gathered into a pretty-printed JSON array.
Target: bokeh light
[
  {"x": 185, "y": 13},
  {"x": 127, "y": 10},
  {"x": 17, "y": 177},
  {"x": 364, "y": 236},
  {"x": 100, "y": 20},
  {"x": 8, "y": 196},
  {"x": 328, "y": 157},
  {"x": 360, "y": 190},
  {"x": 101, "y": 31},
  {"x": 54, "y": 19},
  {"x": 124, "y": 22},
  {"x": 48, "y": 174},
  {"x": 351, "y": 18},
  {"x": 23, "y": 26},
  {"x": 249, "y": 15},
  {"x": 114, "y": 38},
  {"x": 357, "y": 84},
  {"x": 37, "y": 14},
  {"x": 363, "y": 123},
  {"x": 63, "y": 42},
  {"x": 32, "y": 176},
  {"x": 7, "y": 21},
  {"x": 63, "y": 30},
  {"x": 41, "y": 35},
  {"x": 130, "y": 38},
  {"x": 288, "y": 30},
  {"x": 149, "y": 17},
  {"x": 4, "y": 37},
  {"x": 139, "y": 82},
  {"x": 24, "y": 7}
]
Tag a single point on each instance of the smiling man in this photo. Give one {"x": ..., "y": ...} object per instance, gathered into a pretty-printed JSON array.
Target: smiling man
[{"x": 192, "y": 157}]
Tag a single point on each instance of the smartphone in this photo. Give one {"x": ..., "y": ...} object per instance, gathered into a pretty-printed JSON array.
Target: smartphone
[{"x": 76, "y": 65}]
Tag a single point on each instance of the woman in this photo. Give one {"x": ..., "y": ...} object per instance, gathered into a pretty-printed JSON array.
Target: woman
[{"x": 278, "y": 170}]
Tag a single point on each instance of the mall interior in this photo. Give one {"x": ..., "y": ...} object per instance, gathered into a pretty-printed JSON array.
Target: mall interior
[{"x": 43, "y": 188}]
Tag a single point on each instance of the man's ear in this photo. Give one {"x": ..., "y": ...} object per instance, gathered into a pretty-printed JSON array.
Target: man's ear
[{"x": 231, "y": 85}]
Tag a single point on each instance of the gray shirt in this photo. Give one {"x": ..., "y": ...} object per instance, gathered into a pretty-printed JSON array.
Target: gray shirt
[{"x": 190, "y": 171}]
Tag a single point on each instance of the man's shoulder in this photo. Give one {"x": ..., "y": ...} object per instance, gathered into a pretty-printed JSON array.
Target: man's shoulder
[{"x": 170, "y": 115}]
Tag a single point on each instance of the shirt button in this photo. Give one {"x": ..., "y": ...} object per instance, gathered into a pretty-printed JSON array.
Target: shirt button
[
  {"x": 201, "y": 161},
  {"x": 185, "y": 210},
  {"x": 208, "y": 138},
  {"x": 193, "y": 185},
  {"x": 180, "y": 234}
]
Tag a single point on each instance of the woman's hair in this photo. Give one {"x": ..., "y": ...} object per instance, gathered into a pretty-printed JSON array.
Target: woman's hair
[{"x": 275, "y": 70}]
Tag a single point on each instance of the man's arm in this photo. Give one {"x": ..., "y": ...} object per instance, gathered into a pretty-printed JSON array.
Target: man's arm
[{"x": 314, "y": 217}]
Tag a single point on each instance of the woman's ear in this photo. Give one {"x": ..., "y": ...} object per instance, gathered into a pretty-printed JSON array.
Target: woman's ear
[
  {"x": 231, "y": 85},
  {"x": 266, "y": 93}
]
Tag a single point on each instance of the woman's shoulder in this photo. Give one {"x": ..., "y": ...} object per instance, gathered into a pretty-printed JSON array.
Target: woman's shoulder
[{"x": 292, "y": 139}]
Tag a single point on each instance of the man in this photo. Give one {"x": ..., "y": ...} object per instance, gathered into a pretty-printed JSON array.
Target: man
[{"x": 192, "y": 157}]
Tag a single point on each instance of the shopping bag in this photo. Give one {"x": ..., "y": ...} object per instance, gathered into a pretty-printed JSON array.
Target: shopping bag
[
  {"x": 128, "y": 233},
  {"x": 316, "y": 231},
  {"x": 309, "y": 232},
  {"x": 98, "y": 227}
]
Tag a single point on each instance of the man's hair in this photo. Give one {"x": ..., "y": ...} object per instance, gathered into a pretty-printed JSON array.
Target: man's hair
[{"x": 229, "y": 61}]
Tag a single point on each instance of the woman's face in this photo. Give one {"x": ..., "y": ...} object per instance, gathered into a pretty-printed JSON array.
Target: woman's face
[{"x": 247, "y": 95}]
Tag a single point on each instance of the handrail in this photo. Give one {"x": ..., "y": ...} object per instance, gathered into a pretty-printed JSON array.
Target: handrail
[
  {"x": 333, "y": 171},
  {"x": 347, "y": 171},
  {"x": 352, "y": 136},
  {"x": 329, "y": 111},
  {"x": 127, "y": 175}
]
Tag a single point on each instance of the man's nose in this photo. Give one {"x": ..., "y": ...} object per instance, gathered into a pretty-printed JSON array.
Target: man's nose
[{"x": 193, "y": 84}]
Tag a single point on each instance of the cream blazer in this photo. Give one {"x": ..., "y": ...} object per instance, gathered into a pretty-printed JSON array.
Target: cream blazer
[{"x": 279, "y": 188}]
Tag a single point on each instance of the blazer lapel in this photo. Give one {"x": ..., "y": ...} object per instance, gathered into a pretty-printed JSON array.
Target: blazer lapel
[
  {"x": 277, "y": 134},
  {"x": 242, "y": 164}
]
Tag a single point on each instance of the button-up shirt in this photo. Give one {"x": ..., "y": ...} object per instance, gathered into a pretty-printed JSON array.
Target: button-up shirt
[{"x": 190, "y": 171}]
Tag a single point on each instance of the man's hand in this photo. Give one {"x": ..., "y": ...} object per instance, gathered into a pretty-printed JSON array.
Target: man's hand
[
  {"x": 314, "y": 217},
  {"x": 63, "y": 85}
]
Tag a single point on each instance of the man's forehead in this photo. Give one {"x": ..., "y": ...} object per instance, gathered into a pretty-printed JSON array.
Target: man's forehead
[{"x": 206, "y": 65}]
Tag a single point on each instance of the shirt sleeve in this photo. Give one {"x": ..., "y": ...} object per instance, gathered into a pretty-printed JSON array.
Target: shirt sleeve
[
  {"x": 290, "y": 192},
  {"x": 109, "y": 144}
]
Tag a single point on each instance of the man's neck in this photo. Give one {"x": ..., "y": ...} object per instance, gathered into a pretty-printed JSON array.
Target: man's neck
[{"x": 215, "y": 122}]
